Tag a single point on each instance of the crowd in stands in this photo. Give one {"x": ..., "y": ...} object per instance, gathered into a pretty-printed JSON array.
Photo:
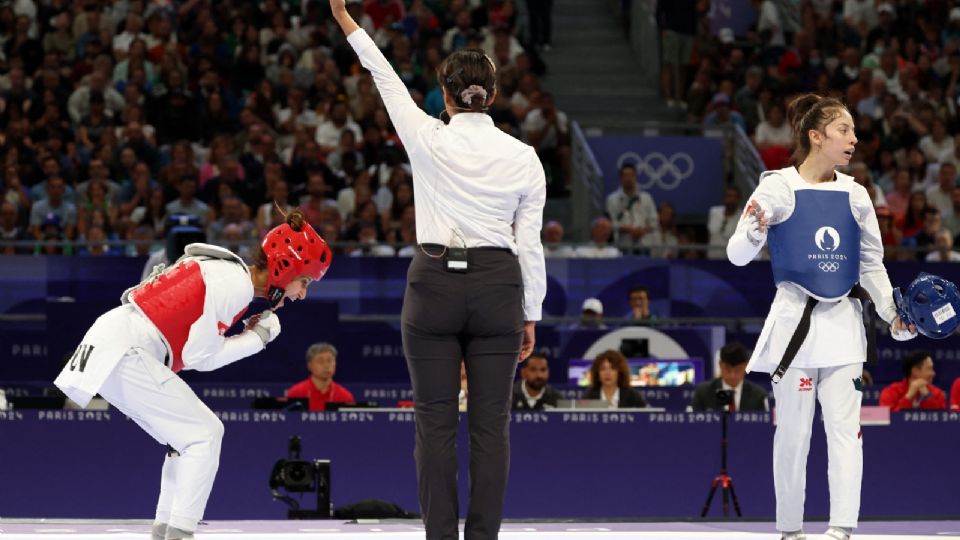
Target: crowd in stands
[
  {"x": 116, "y": 114},
  {"x": 896, "y": 64}
]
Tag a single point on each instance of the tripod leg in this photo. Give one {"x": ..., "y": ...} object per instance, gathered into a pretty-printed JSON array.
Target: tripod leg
[
  {"x": 733, "y": 495},
  {"x": 726, "y": 497},
  {"x": 706, "y": 505}
]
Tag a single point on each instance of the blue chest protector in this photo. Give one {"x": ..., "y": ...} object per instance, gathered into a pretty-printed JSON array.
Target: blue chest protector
[{"x": 818, "y": 246}]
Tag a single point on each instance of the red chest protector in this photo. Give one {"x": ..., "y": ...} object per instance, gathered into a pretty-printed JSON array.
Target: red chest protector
[{"x": 173, "y": 302}]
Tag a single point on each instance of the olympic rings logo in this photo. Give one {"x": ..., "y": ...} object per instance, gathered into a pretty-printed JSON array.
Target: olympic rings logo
[
  {"x": 829, "y": 266},
  {"x": 656, "y": 169}
]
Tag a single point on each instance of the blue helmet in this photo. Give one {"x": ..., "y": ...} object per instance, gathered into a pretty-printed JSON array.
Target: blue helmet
[{"x": 931, "y": 303}]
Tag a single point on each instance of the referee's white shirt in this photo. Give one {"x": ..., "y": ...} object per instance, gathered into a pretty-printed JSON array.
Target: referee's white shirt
[{"x": 469, "y": 177}]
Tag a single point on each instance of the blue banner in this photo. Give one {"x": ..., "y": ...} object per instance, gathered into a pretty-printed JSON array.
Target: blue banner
[{"x": 687, "y": 172}]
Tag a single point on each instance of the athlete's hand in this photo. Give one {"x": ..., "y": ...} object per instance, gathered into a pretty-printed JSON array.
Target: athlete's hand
[
  {"x": 901, "y": 331},
  {"x": 757, "y": 220},
  {"x": 266, "y": 325}
]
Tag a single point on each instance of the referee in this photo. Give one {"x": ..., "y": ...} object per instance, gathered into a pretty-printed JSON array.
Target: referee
[{"x": 475, "y": 285}]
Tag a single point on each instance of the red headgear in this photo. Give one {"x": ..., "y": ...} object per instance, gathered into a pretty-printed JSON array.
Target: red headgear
[{"x": 291, "y": 254}]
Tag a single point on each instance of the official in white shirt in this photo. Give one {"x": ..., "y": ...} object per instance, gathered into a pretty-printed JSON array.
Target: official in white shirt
[{"x": 475, "y": 286}]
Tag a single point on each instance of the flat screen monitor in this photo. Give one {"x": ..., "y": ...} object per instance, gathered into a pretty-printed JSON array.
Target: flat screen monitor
[{"x": 645, "y": 371}]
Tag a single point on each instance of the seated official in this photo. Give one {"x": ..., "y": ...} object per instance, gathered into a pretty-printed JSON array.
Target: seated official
[
  {"x": 916, "y": 390},
  {"x": 610, "y": 381},
  {"x": 531, "y": 392},
  {"x": 955, "y": 395},
  {"x": 747, "y": 396},
  {"x": 319, "y": 387}
]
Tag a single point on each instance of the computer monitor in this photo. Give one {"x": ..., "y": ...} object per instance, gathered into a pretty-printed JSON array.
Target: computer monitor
[
  {"x": 281, "y": 404},
  {"x": 645, "y": 371}
]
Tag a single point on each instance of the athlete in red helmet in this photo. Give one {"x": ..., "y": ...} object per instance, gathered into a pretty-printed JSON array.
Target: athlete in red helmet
[{"x": 176, "y": 319}]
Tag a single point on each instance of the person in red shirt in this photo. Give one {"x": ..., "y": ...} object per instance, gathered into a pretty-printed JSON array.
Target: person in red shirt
[
  {"x": 955, "y": 395},
  {"x": 916, "y": 390},
  {"x": 319, "y": 387}
]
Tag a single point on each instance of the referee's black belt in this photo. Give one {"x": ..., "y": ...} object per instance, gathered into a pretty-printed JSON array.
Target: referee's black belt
[
  {"x": 803, "y": 328},
  {"x": 441, "y": 247}
]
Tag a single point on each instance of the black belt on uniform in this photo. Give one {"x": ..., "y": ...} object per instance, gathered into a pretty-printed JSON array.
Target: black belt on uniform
[
  {"x": 441, "y": 247},
  {"x": 803, "y": 328}
]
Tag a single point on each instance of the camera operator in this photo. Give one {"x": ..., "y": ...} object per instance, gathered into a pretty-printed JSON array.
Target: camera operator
[{"x": 730, "y": 390}]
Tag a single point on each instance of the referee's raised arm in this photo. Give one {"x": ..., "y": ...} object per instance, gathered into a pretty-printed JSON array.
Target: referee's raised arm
[{"x": 476, "y": 282}]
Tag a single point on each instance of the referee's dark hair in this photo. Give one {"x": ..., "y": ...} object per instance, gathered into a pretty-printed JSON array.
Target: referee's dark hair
[
  {"x": 463, "y": 69},
  {"x": 912, "y": 360},
  {"x": 733, "y": 354}
]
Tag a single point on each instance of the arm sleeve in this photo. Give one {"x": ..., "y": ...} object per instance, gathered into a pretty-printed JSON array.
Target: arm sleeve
[
  {"x": 407, "y": 118},
  {"x": 206, "y": 348},
  {"x": 889, "y": 398},
  {"x": 775, "y": 197},
  {"x": 873, "y": 275},
  {"x": 937, "y": 400},
  {"x": 526, "y": 230}
]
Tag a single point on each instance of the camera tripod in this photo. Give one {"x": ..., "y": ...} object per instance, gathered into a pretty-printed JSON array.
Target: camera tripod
[{"x": 723, "y": 480}]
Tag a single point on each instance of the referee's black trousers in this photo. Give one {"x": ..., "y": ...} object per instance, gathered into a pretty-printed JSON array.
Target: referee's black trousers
[{"x": 478, "y": 317}]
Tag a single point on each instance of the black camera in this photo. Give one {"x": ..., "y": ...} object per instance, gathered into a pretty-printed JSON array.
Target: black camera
[
  {"x": 297, "y": 475},
  {"x": 724, "y": 397}
]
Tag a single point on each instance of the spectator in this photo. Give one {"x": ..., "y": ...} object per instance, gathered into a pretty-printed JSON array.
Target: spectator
[
  {"x": 924, "y": 240},
  {"x": 722, "y": 115},
  {"x": 547, "y": 130},
  {"x": 940, "y": 196},
  {"x": 938, "y": 145},
  {"x": 329, "y": 130},
  {"x": 96, "y": 202},
  {"x": 632, "y": 211},
  {"x": 677, "y": 21},
  {"x": 952, "y": 222},
  {"x": 943, "y": 248},
  {"x": 187, "y": 203},
  {"x": 914, "y": 218},
  {"x": 747, "y": 396},
  {"x": 899, "y": 199},
  {"x": 599, "y": 247},
  {"x": 10, "y": 229},
  {"x": 80, "y": 99},
  {"x": 97, "y": 244},
  {"x": 747, "y": 98},
  {"x": 553, "y": 235},
  {"x": 662, "y": 241},
  {"x": 591, "y": 315},
  {"x": 532, "y": 392},
  {"x": 51, "y": 235},
  {"x": 774, "y": 138},
  {"x": 233, "y": 212},
  {"x": 916, "y": 390},
  {"x": 271, "y": 213},
  {"x": 610, "y": 382},
  {"x": 320, "y": 387},
  {"x": 639, "y": 299},
  {"x": 722, "y": 222},
  {"x": 889, "y": 235},
  {"x": 65, "y": 212}
]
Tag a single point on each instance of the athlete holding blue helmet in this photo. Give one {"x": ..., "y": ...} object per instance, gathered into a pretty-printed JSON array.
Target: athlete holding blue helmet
[{"x": 827, "y": 257}]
